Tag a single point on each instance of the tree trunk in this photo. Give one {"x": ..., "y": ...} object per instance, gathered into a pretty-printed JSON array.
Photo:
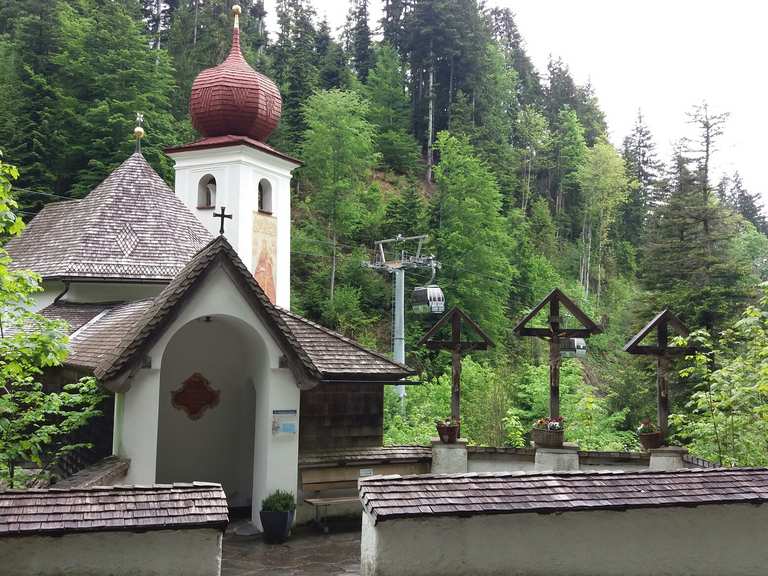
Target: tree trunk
[
  {"x": 333, "y": 266},
  {"x": 194, "y": 33},
  {"x": 431, "y": 114}
]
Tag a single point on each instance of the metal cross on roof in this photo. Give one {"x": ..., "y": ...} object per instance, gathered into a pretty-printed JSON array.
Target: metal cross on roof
[{"x": 222, "y": 215}]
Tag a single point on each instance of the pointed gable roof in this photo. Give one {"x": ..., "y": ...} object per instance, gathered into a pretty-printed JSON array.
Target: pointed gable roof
[
  {"x": 314, "y": 353},
  {"x": 130, "y": 227}
]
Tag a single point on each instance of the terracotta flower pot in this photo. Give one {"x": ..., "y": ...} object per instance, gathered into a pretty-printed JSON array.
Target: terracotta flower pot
[
  {"x": 651, "y": 440},
  {"x": 448, "y": 432},
  {"x": 547, "y": 438}
]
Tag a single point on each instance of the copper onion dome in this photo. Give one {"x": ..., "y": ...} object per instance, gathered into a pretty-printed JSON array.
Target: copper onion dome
[{"x": 233, "y": 99}]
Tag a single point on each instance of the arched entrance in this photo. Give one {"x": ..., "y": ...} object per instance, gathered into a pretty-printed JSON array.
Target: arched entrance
[{"x": 206, "y": 419}]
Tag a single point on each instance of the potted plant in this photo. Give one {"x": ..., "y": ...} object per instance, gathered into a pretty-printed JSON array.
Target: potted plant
[
  {"x": 448, "y": 430},
  {"x": 276, "y": 515},
  {"x": 649, "y": 436},
  {"x": 548, "y": 432}
]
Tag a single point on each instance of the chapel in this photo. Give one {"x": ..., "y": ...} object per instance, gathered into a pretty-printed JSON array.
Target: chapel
[{"x": 178, "y": 301}]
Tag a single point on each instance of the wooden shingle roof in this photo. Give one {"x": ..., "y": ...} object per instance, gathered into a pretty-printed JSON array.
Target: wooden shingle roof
[
  {"x": 130, "y": 227},
  {"x": 139, "y": 508},
  {"x": 117, "y": 335},
  {"x": 391, "y": 497}
]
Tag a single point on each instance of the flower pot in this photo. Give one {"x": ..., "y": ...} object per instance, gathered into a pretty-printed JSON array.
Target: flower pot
[
  {"x": 448, "y": 432},
  {"x": 547, "y": 438},
  {"x": 276, "y": 526},
  {"x": 651, "y": 440}
]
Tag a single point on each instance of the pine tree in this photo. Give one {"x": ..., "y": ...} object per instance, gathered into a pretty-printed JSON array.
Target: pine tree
[
  {"x": 359, "y": 34},
  {"x": 692, "y": 268},
  {"x": 643, "y": 170},
  {"x": 732, "y": 193},
  {"x": 568, "y": 152},
  {"x": 502, "y": 24},
  {"x": 390, "y": 112},
  {"x": 33, "y": 123},
  {"x": 107, "y": 74}
]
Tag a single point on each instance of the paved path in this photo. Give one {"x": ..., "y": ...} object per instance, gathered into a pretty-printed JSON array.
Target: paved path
[{"x": 307, "y": 553}]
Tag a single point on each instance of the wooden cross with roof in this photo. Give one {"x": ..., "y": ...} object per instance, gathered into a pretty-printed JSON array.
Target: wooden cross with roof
[
  {"x": 663, "y": 352},
  {"x": 554, "y": 332},
  {"x": 456, "y": 318}
]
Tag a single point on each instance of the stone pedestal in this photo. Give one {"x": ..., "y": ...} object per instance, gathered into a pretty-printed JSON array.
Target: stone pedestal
[
  {"x": 667, "y": 458},
  {"x": 557, "y": 459},
  {"x": 449, "y": 458}
]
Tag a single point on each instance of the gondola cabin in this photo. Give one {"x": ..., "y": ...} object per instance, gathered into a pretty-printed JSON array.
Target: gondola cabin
[
  {"x": 428, "y": 299},
  {"x": 573, "y": 348}
]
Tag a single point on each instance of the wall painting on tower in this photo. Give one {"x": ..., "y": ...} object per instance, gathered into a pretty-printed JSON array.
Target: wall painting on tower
[{"x": 265, "y": 253}]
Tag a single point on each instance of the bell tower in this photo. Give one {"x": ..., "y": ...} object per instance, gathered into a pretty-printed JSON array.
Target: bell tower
[{"x": 235, "y": 109}]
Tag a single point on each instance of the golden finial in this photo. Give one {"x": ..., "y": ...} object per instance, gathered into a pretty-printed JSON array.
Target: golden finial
[
  {"x": 138, "y": 132},
  {"x": 237, "y": 10}
]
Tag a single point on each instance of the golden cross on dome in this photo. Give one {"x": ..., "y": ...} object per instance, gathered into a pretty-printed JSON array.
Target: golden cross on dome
[
  {"x": 237, "y": 10},
  {"x": 138, "y": 132}
]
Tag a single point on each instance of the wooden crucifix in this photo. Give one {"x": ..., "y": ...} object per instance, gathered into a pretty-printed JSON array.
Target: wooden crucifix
[
  {"x": 555, "y": 333},
  {"x": 456, "y": 318},
  {"x": 664, "y": 353}
]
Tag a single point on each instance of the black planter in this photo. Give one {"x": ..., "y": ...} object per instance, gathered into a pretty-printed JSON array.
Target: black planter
[{"x": 276, "y": 526}]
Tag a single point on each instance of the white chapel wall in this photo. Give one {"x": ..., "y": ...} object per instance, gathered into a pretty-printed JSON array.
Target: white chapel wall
[
  {"x": 192, "y": 552},
  {"x": 711, "y": 540},
  {"x": 275, "y": 463}
]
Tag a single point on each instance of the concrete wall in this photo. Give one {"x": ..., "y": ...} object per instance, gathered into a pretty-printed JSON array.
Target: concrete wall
[
  {"x": 194, "y": 552},
  {"x": 712, "y": 540},
  {"x": 238, "y": 170},
  {"x": 275, "y": 463}
]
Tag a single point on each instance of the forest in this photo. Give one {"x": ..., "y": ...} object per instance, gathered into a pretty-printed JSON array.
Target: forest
[{"x": 431, "y": 118}]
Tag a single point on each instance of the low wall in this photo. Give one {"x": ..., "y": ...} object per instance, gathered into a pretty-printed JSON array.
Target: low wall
[
  {"x": 711, "y": 540},
  {"x": 192, "y": 552}
]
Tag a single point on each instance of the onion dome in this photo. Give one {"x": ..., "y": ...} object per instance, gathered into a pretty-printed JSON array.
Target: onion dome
[{"x": 232, "y": 99}]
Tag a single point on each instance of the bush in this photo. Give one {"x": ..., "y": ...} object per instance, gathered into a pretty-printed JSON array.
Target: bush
[{"x": 279, "y": 501}]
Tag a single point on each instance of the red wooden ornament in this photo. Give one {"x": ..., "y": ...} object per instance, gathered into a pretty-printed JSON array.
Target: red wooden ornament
[
  {"x": 195, "y": 396},
  {"x": 233, "y": 99}
]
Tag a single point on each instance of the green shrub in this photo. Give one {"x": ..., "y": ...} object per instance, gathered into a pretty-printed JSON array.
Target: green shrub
[{"x": 279, "y": 501}]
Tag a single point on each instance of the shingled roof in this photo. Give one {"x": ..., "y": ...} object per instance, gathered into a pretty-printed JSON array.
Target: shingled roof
[
  {"x": 391, "y": 497},
  {"x": 116, "y": 335},
  {"x": 139, "y": 508},
  {"x": 130, "y": 227}
]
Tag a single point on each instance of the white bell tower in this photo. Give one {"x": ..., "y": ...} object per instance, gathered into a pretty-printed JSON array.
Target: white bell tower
[
  {"x": 252, "y": 185},
  {"x": 235, "y": 109}
]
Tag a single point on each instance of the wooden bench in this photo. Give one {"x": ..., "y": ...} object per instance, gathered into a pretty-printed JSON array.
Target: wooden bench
[{"x": 323, "y": 488}]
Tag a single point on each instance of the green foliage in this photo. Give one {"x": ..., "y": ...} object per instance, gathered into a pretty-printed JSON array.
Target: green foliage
[
  {"x": 35, "y": 424},
  {"x": 499, "y": 406},
  {"x": 279, "y": 501},
  {"x": 726, "y": 419},
  {"x": 471, "y": 236}
]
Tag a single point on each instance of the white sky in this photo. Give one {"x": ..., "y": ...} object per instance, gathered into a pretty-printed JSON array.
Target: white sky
[{"x": 662, "y": 56}]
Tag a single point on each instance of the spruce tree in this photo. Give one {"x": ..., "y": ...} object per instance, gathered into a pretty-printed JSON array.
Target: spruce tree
[
  {"x": 359, "y": 37},
  {"x": 689, "y": 261},
  {"x": 643, "y": 170}
]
